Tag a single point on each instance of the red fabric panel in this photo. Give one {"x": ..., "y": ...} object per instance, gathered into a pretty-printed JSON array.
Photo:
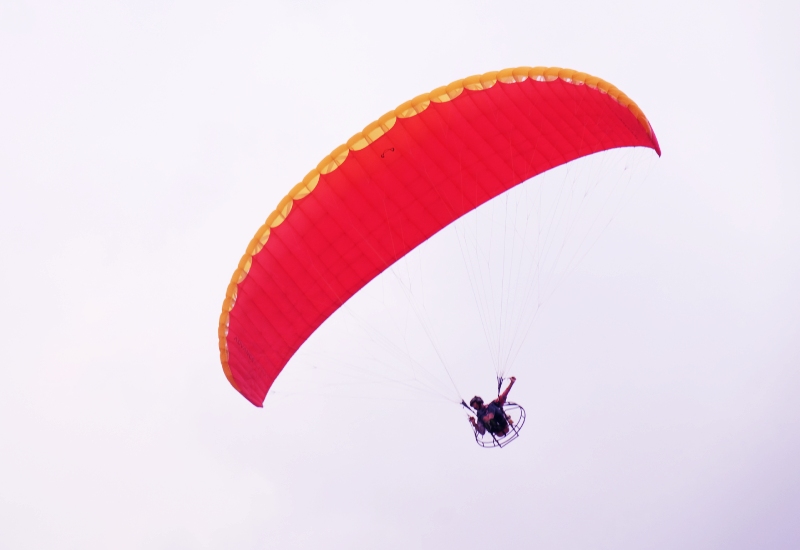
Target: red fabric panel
[{"x": 373, "y": 209}]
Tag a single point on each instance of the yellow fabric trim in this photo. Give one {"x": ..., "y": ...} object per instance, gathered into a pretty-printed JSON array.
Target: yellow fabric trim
[{"x": 374, "y": 131}]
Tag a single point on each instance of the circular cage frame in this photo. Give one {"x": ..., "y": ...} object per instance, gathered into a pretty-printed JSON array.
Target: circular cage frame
[{"x": 517, "y": 415}]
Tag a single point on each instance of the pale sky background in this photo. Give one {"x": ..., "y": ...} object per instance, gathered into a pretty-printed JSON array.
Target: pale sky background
[{"x": 143, "y": 143}]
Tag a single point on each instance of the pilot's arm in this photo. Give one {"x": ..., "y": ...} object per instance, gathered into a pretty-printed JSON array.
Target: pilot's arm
[{"x": 477, "y": 425}]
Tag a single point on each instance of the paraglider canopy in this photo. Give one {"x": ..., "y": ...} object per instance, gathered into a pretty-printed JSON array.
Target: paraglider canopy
[{"x": 392, "y": 186}]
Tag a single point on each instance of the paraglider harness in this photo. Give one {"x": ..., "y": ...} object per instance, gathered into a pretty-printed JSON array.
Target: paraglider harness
[
  {"x": 508, "y": 417},
  {"x": 497, "y": 423}
]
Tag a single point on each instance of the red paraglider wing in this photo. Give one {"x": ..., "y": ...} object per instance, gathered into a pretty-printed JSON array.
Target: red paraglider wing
[{"x": 397, "y": 183}]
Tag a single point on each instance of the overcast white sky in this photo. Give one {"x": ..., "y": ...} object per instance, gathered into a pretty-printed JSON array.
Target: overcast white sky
[{"x": 143, "y": 143}]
